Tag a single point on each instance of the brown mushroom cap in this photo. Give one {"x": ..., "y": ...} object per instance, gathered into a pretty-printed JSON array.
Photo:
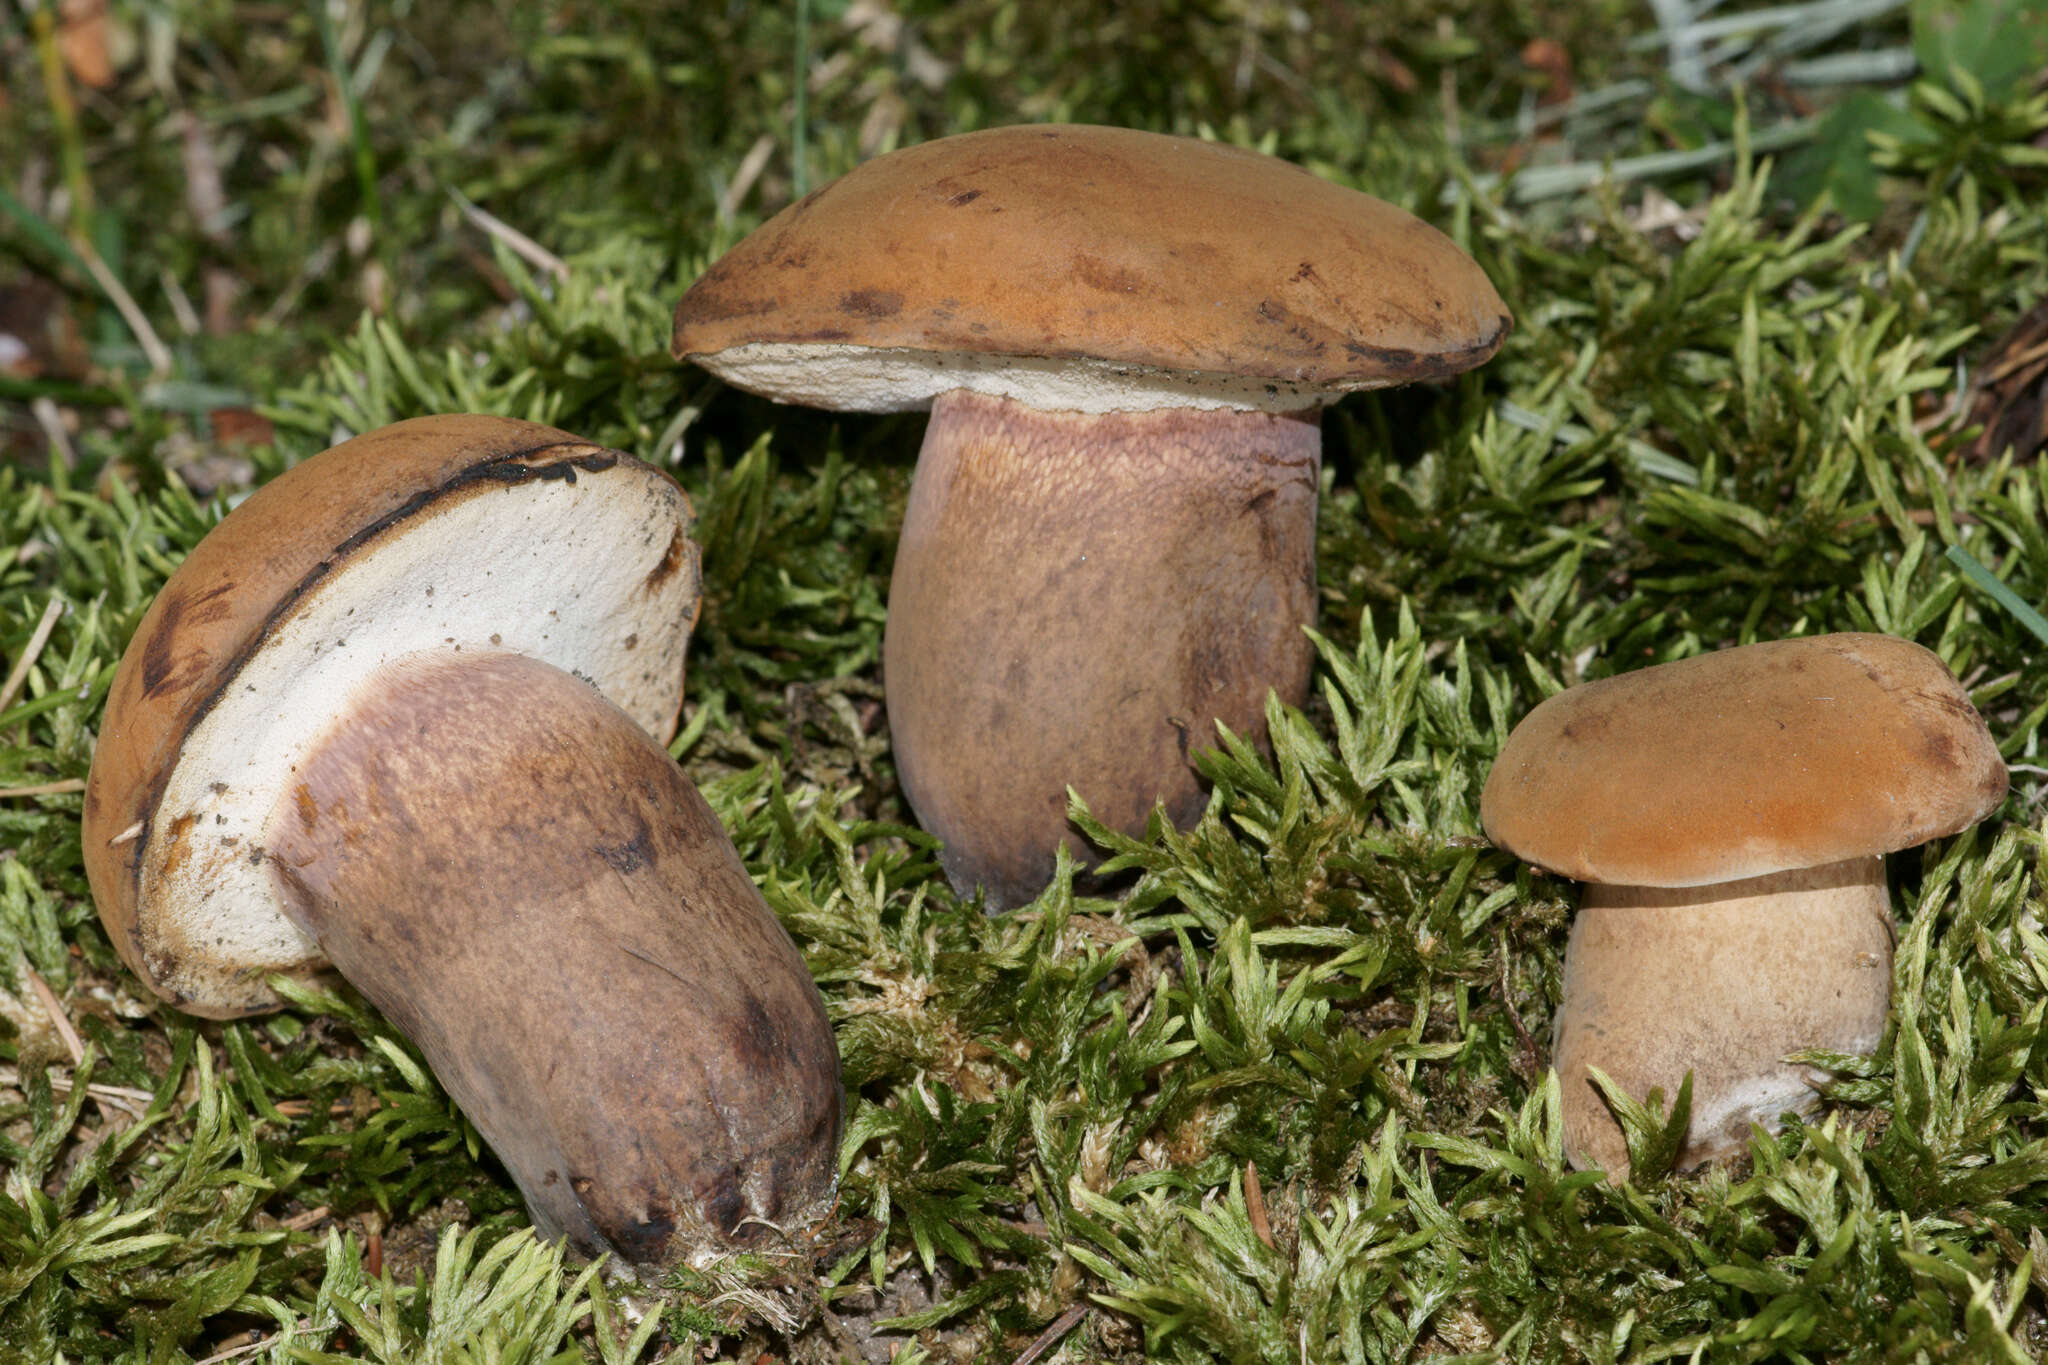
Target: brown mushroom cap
[
  {"x": 1086, "y": 269},
  {"x": 1775, "y": 756},
  {"x": 392, "y": 543}
]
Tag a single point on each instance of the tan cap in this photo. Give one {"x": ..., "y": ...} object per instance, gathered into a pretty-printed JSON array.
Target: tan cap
[
  {"x": 1087, "y": 269},
  {"x": 437, "y": 535},
  {"x": 1739, "y": 764}
]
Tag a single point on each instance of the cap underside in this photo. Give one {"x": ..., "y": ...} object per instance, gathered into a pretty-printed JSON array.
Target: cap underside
[{"x": 848, "y": 378}]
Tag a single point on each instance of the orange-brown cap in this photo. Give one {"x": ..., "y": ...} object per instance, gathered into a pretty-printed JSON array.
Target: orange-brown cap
[
  {"x": 1744, "y": 763},
  {"x": 1074, "y": 267},
  {"x": 428, "y": 536}
]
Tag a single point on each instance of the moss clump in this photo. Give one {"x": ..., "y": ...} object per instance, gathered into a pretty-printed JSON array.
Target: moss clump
[{"x": 1280, "y": 1097}]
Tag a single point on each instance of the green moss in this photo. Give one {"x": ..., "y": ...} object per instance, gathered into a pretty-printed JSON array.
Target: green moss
[{"x": 1277, "y": 1094}]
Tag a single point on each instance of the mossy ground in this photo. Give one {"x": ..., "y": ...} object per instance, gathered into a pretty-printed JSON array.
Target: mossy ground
[{"x": 1282, "y": 1096}]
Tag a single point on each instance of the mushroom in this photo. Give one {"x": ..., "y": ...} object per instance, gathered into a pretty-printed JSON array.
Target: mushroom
[
  {"x": 1124, "y": 340},
  {"x": 402, "y": 712},
  {"x": 1730, "y": 814}
]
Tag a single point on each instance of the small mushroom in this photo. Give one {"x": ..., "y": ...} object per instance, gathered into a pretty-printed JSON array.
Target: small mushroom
[
  {"x": 1125, "y": 340},
  {"x": 402, "y": 712},
  {"x": 1730, "y": 814}
]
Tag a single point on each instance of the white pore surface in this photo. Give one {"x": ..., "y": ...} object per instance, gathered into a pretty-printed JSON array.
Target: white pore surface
[
  {"x": 846, "y": 378},
  {"x": 546, "y": 568}
]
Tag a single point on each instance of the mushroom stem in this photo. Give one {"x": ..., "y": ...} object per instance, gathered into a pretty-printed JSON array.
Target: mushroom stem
[
  {"x": 1723, "y": 981},
  {"x": 525, "y": 883},
  {"x": 1077, "y": 600}
]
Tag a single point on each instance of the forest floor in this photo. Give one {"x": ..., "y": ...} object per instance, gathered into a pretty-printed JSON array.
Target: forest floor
[{"x": 1278, "y": 1092}]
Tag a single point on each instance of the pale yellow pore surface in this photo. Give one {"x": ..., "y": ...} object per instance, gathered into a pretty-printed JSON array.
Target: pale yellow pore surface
[{"x": 1722, "y": 981}]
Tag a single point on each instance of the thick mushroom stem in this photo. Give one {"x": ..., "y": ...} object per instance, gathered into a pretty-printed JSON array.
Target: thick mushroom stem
[
  {"x": 526, "y": 884},
  {"x": 1723, "y": 981},
  {"x": 1077, "y": 600}
]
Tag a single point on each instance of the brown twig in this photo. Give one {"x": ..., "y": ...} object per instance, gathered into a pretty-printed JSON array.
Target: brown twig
[
  {"x": 55, "y": 1009},
  {"x": 298, "y": 1109},
  {"x": 1528, "y": 1050},
  {"x": 75, "y": 1046},
  {"x": 750, "y": 168},
  {"x": 523, "y": 246},
  {"x": 153, "y": 348},
  {"x": 1255, "y": 1205},
  {"x": 1050, "y": 1337},
  {"x": 51, "y": 421},
  {"x": 121, "y": 1097},
  {"x": 257, "y": 1341},
  {"x": 59, "y": 788},
  {"x": 300, "y": 1222},
  {"x": 36, "y": 640}
]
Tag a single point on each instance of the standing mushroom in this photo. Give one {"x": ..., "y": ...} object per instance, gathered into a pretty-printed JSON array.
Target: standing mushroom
[
  {"x": 1730, "y": 813},
  {"x": 402, "y": 711},
  {"x": 1125, "y": 340}
]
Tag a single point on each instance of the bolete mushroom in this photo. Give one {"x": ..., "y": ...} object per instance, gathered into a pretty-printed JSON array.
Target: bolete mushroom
[
  {"x": 1125, "y": 340},
  {"x": 1730, "y": 814},
  {"x": 402, "y": 712}
]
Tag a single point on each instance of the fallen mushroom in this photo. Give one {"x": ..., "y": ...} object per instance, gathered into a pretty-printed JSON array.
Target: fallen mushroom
[
  {"x": 1125, "y": 340},
  {"x": 402, "y": 711},
  {"x": 1730, "y": 814}
]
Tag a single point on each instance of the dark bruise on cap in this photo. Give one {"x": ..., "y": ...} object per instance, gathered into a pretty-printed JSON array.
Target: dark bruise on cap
[
  {"x": 1751, "y": 761},
  {"x": 1104, "y": 244}
]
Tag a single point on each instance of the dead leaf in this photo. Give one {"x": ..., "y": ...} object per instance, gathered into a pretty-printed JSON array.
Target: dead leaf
[
  {"x": 1547, "y": 57},
  {"x": 1393, "y": 70},
  {"x": 2009, "y": 391},
  {"x": 82, "y": 42},
  {"x": 240, "y": 428},
  {"x": 39, "y": 332}
]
